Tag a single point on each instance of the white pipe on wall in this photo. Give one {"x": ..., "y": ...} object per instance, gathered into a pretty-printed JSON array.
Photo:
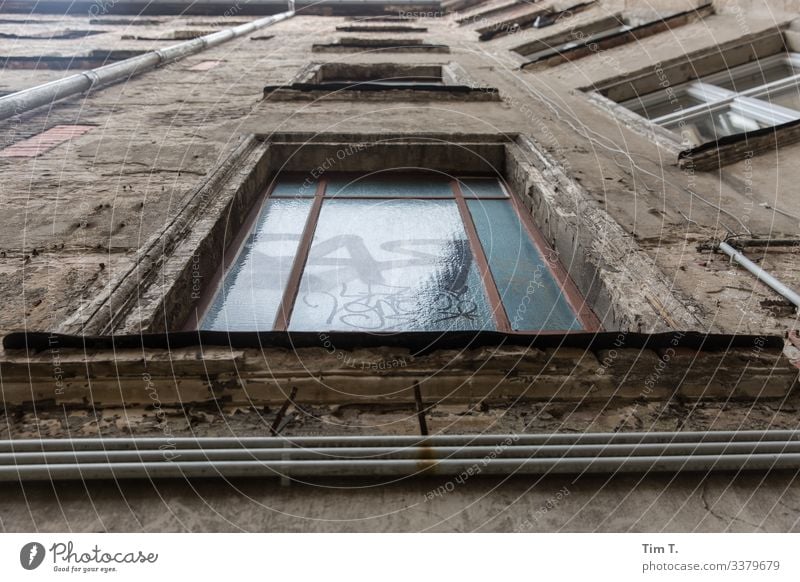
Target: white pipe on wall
[
  {"x": 47, "y": 93},
  {"x": 762, "y": 275}
]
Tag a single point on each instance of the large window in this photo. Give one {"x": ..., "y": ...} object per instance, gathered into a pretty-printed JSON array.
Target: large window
[
  {"x": 391, "y": 252},
  {"x": 753, "y": 96}
]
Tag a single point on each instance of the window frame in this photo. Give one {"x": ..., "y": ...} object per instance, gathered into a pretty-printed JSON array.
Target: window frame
[
  {"x": 575, "y": 300},
  {"x": 606, "y": 33},
  {"x": 716, "y": 98}
]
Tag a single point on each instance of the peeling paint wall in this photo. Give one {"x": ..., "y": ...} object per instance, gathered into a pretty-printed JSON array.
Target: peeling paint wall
[{"x": 89, "y": 215}]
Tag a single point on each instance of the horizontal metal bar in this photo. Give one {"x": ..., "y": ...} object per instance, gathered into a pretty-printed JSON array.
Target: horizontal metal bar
[
  {"x": 474, "y": 453},
  {"x": 401, "y": 467},
  {"x": 140, "y": 443}
]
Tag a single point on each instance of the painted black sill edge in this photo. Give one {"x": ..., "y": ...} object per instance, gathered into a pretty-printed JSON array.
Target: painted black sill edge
[
  {"x": 367, "y": 47},
  {"x": 417, "y": 342},
  {"x": 366, "y": 86}
]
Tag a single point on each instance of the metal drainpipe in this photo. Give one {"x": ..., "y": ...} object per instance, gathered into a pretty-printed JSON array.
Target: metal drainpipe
[
  {"x": 334, "y": 442},
  {"x": 760, "y": 274},
  {"x": 27, "y": 99},
  {"x": 384, "y": 453},
  {"x": 176, "y": 468}
]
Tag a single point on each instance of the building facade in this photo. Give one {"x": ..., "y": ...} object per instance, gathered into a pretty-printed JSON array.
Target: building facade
[{"x": 364, "y": 218}]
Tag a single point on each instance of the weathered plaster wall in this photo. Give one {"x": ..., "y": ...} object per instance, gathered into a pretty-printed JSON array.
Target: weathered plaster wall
[
  {"x": 97, "y": 200},
  {"x": 77, "y": 216}
]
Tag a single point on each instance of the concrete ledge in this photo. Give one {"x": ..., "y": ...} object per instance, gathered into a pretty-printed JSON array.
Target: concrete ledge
[
  {"x": 328, "y": 375},
  {"x": 735, "y": 148}
]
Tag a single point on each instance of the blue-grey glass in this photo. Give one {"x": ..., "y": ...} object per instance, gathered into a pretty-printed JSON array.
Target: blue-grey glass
[
  {"x": 390, "y": 265},
  {"x": 295, "y": 187},
  {"x": 531, "y": 296},
  {"x": 251, "y": 293},
  {"x": 395, "y": 186},
  {"x": 482, "y": 188}
]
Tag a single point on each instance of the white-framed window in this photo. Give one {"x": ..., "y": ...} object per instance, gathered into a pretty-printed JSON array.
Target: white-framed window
[{"x": 756, "y": 95}]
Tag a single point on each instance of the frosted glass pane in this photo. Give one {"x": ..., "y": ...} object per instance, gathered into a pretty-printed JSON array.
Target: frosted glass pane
[
  {"x": 667, "y": 104},
  {"x": 787, "y": 97},
  {"x": 251, "y": 293},
  {"x": 707, "y": 127},
  {"x": 383, "y": 265},
  {"x": 481, "y": 188},
  {"x": 738, "y": 81},
  {"x": 295, "y": 187},
  {"x": 396, "y": 186},
  {"x": 531, "y": 296}
]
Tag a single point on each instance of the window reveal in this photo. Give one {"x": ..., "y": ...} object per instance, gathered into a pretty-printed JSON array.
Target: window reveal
[
  {"x": 389, "y": 252},
  {"x": 760, "y": 94}
]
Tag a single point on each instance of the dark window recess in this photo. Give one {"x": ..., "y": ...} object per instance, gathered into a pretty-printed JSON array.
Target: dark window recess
[
  {"x": 23, "y": 20},
  {"x": 397, "y": 45},
  {"x": 221, "y": 22},
  {"x": 126, "y": 21},
  {"x": 386, "y": 75},
  {"x": 531, "y": 19},
  {"x": 397, "y": 18},
  {"x": 483, "y": 15},
  {"x": 78, "y": 62},
  {"x": 387, "y": 252},
  {"x": 380, "y": 28},
  {"x": 460, "y": 5},
  {"x": 171, "y": 35},
  {"x": 52, "y": 35},
  {"x": 417, "y": 81},
  {"x": 602, "y": 35}
]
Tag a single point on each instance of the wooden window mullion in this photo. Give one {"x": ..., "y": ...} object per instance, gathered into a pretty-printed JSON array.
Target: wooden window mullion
[
  {"x": 495, "y": 301},
  {"x": 300, "y": 259}
]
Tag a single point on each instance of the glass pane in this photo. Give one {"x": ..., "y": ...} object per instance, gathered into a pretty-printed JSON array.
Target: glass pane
[
  {"x": 712, "y": 126},
  {"x": 666, "y": 104},
  {"x": 766, "y": 74},
  {"x": 395, "y": 186},
  {"x": 481, "y": 188},
  {"x": 787, "y": 97},
  {"x": 390, "y": 265},
  {"x": 295, "y": 187},
  {"x": 531, "y": 296},
  {"x": 253, "y": 287}
]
